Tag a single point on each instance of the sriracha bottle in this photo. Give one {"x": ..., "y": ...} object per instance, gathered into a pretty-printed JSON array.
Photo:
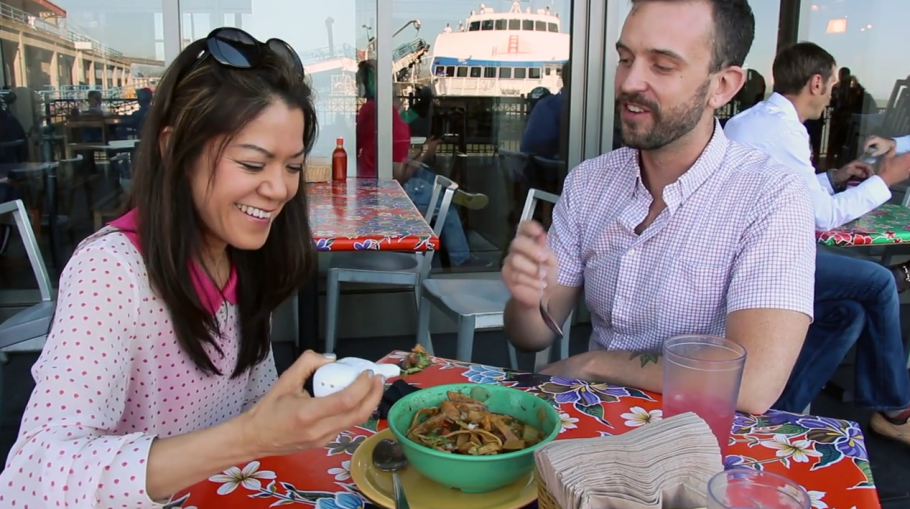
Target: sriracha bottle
[{"x": 339, "y": 162}]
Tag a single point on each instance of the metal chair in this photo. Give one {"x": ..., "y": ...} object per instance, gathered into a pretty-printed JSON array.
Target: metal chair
[
  {"x": 26, "y": 331},
  {"x": 479, "y": 305},
  {"x": 386, "y": 267}
]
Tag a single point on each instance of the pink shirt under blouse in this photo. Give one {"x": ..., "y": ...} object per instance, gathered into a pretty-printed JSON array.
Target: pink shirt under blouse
[{"x": 112, "y": 377}]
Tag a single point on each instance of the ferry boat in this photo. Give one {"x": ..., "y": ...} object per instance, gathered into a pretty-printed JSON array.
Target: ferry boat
[{"x": 500, "y": 54}]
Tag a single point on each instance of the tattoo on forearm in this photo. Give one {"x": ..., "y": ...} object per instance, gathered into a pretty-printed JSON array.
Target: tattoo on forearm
[{"x": 646, "y": 358}]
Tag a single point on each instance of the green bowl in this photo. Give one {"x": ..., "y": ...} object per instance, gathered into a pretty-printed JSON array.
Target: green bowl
[{"x": 474, "y": 474}]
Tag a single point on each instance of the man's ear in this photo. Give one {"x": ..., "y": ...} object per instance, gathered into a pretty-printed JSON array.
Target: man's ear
[
  {"x": 163, "y": 139},
  {"x": 728, "y": 83}
]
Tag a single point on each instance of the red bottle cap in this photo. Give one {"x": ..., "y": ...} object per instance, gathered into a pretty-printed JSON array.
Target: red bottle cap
[{"x": 339, "y": 141}]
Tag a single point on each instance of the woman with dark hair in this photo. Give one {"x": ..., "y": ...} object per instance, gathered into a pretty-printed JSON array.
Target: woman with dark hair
[{"x": 157, "y": 372}]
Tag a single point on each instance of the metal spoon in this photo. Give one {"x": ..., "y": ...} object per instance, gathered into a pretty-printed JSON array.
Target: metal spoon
[
  {"x": 388, "y": 457},
  {"x": 547, "y": 319}
]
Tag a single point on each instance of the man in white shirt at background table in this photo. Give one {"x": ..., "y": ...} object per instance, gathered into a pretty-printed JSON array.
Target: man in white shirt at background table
[{"x": 856, "y": 301}]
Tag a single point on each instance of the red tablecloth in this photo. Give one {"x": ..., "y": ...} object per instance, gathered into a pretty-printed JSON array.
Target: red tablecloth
[
  {"x": 366, "y": 214},
  {"x": 827, "y": 456}
]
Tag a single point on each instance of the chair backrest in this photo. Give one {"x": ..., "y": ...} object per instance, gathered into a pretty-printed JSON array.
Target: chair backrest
[
  {"x": 897, "y": 114},
  {"x": 513, "y": 163},
  {"x": 534, "y": 196},
  {"x": 17, "y": 209},
  {"x": 443, "y": 192}
]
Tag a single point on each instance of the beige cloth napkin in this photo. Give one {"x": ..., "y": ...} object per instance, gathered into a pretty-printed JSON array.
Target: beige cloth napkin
[{"x": 666, "y": 464}]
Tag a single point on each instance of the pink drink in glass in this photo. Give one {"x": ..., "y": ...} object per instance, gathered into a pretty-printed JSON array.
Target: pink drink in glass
[
  {"x": 716, "y": 412},
  {"x": 702, "y": 374}
]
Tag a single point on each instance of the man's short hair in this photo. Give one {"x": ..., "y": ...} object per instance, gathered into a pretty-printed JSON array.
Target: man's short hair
[
  {"x": 734, "y": 30},
  {"x": 795, "y": 65}
]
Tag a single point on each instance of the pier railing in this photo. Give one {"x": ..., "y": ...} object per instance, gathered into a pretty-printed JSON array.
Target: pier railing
[{"x": 15, "y": 15}]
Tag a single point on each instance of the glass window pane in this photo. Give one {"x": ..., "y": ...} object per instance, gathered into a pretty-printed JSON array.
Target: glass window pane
[
  {"x": 483, "y": 90},
  {"x": 60, "y": 62},
  {"x": 862, "y": 37}
]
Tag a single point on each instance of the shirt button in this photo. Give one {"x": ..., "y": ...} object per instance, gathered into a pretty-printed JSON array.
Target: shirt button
[{"x": 632, "y": 251}]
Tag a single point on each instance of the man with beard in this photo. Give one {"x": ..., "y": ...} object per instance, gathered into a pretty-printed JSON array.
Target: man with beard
[{"x": 683, "y": 231}]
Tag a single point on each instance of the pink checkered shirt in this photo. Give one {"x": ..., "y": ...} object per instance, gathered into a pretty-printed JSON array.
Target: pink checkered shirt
[{"x": 738, "y": 232}]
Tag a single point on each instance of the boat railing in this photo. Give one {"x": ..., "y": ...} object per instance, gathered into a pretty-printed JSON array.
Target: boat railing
[{"x": 328, "y": 53}]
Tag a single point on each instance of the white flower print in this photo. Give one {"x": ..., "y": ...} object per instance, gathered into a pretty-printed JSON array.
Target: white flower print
[
  {"x": 798, "y": 450},
  {"x": 568, "y": 422},
  {"x": 248, "y": 477},
  {"x": 638, "y": 416},
  {"x": 817, "y": 497},
  {"x": 343, "y": 473}
]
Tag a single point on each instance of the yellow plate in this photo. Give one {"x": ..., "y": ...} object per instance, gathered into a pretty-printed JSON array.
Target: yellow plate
[{"x": 424, "y": 493}]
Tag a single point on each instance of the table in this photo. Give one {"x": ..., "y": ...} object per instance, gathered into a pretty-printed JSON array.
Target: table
[
  {"x": 886, "y": 225},
  {"x": 358, "y": 214},
  {"x": 827, "y": 456}
]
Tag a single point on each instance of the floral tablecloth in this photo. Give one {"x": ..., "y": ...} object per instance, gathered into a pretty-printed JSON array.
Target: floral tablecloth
[
  {"x": 888, "y": 224},
  {"x": 827, "y": 456},
  {"x": 366, "y": 214}
]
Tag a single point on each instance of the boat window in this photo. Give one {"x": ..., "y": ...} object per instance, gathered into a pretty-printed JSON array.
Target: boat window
[
  {"x": 487, "y": 24},
  {"x": 450, "y": 71},
  {"x": 520, "y": 73},
  {"x": 505, "y": 73},
  {"x": 489, "y": 72},
  {"x": 553, "y": 27},
  {"x": 440, "y": 70},
  {"x": 501, "y": 24},
  {"x": 474, "y": 26},
  {"x": 534, "y": 73},
  {"x": 540, "y": 26},
  {"x": 475, "y": 72},
  {"x": 514, "y": 24},
  {"x": 462, "y": 72},
  {"x": 527, "y": 24}
]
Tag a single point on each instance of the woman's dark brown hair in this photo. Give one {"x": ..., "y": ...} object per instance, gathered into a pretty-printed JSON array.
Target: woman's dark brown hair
[{"x": 214, "y": 102}]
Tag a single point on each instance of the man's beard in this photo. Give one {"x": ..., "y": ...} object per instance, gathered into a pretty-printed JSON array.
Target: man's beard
[{"x": 666, "y": 128}]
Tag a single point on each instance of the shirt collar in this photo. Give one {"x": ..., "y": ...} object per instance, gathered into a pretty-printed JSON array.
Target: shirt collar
[
  {"x": 212, "y": 298},
  {"x": 785, "y": 106},
  {"x": 676, "y": 193}
]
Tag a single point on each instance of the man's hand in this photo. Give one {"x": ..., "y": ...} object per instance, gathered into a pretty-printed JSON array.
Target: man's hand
[
  {"x": 856, "y": 169},
  {"x": 894, "y": 169},
  {"x": 879, "y": 144},
  {"x": 529, "y": 271}
]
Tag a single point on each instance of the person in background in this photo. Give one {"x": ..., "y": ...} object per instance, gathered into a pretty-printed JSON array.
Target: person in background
[
  {"x": 544, "y": 130},
  {"x": 852, "y": 295},
  {"x": 412, "y": 173},
  {"x": 158, "y": 371},
  {"x": 630, "y": 228}
]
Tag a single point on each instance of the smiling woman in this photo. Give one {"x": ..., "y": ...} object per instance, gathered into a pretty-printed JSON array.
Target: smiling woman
[{"x": 157, "y": 372}]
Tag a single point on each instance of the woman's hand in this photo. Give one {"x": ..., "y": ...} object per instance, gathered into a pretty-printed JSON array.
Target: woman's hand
[{"x": 287, "y": 419}]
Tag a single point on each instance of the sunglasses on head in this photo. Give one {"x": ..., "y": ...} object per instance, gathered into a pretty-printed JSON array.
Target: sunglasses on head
[{"x": 234, "y": 48}]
